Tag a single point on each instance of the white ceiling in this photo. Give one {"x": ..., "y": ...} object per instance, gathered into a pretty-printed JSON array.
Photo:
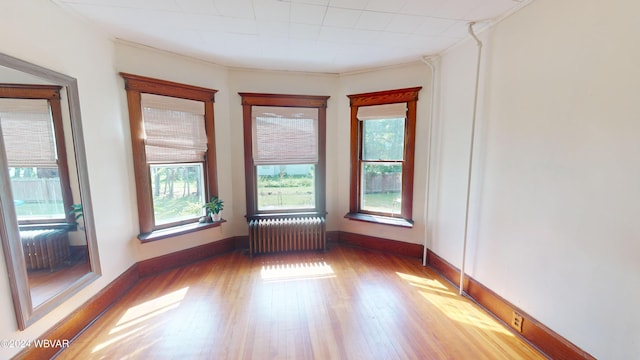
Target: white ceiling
[{"x": 333, "y": 36}]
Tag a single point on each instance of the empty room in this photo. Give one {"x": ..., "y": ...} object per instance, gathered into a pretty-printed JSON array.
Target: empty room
[{"x": 319, "y": 179}]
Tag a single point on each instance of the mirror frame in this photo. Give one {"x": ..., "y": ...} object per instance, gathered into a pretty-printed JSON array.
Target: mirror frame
[{"x": 26, "y": 314}]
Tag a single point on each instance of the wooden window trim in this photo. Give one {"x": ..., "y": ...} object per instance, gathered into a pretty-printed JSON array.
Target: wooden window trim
[
  {"x": 283, "y": 100},
  {"x": 410, "y": 96},
  {"x": 51, "y": 93},
  {"x": 135, "y": 85}
]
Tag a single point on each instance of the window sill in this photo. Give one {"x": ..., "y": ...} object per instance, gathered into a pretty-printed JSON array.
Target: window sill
[
  {"x": 177, "y": 230},
  {"x": 384, "y": 220},
  {"x": 49, "y": 226}
]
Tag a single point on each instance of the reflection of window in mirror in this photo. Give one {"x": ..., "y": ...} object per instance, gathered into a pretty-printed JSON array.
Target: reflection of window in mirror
[
  {"x": 31, "y": 120},
  {"x": 55, "y": 254},
  {"x": 382, "y": 152}
]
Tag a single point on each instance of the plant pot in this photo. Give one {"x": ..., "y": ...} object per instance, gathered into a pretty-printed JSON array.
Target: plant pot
[{"x": 216, "y": 217}]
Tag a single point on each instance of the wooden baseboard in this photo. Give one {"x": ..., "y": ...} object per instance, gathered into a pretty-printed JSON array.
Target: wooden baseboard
[
  {"x": 379, "y": 244},
  {"x": 75, "y": 323},
  {"x": 78, "y": 252},
  {"x": 333, "y": 237},
  {"x": 241, "y": 242},
  {"x": 351, "y": 239},
  {"x": 185, "y": 257},
  {"x": 536, "y": 333},
  {"x": 358, "y": 240}
]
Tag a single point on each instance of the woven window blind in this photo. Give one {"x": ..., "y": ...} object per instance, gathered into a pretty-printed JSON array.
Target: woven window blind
[
  {"x": 174, "y": 129},
  {"x": 284, "y": 135},
  {"x": 387, "y": 111},
  {"x": 27, "y": 129}
]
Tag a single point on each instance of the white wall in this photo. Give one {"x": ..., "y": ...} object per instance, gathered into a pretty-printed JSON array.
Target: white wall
[
  {"x": 41, "y": 33},
  {"x": 555, "y": 196}
]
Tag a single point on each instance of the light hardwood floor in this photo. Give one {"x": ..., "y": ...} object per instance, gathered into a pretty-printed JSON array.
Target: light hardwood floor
[
  {"x": 45, "y": 283},
  {"x": 344, "y": 304}
]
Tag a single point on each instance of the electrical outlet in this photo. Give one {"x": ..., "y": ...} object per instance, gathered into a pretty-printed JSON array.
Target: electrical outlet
[{"x": 516, "y": 321}]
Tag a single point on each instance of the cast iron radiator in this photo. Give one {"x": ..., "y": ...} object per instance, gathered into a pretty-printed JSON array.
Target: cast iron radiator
[
  {"x": 303, "y": 233},
  {"x": 44, "y": 248}
]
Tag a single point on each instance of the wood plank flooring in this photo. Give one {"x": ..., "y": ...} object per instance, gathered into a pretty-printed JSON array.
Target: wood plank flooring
[
  {"x": 344, "y": 304},
  {"x": 45, "y": 283}
]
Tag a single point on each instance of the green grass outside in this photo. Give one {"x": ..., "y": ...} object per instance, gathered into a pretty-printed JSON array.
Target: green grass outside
[
  {"x": 286, "y": 197},
  {"x": 383, "y": 202},
  {"x": 287, "y": 192},
  {"x": 168, "y": 209}
]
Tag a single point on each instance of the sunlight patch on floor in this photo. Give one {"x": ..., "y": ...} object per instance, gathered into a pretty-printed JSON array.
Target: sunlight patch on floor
[
  {"x": 452, "y": 305},
  {"x": 116, "y": 339},
  {"x": 153, "y": 305},
  {"x": 136, "y": 315},
  {"x": 463, "y": 311},
  {"x": 123, "y": 325},
  {"x": 428, "y": 284},
  {"x": 296, "y": 271}
]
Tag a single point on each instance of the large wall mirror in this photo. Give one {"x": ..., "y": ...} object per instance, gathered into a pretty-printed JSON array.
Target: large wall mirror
[{"x": 46, "y": 219}]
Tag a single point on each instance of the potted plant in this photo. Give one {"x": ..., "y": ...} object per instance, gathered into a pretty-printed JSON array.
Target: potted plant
[
  {"x": 77, "y": 212},
  {"x": 214, "y": 207}
]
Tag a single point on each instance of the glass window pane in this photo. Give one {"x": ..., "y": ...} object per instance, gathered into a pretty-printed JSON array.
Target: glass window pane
[
  {"x": 37, "y": 193},
  {"x": 178, "y": 192},
  {"x": 383, "y": 139},
  {"x": 284, "y": 187},
  {"x": 381, "y": 187}
]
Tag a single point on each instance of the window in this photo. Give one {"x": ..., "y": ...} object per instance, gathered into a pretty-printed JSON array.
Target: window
[
  {"x": 284, "y": 139},
  {"x": 172, "y": 137},
  {"x": 382, "y": 151},
  {"x": 33, "y": 137}
]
